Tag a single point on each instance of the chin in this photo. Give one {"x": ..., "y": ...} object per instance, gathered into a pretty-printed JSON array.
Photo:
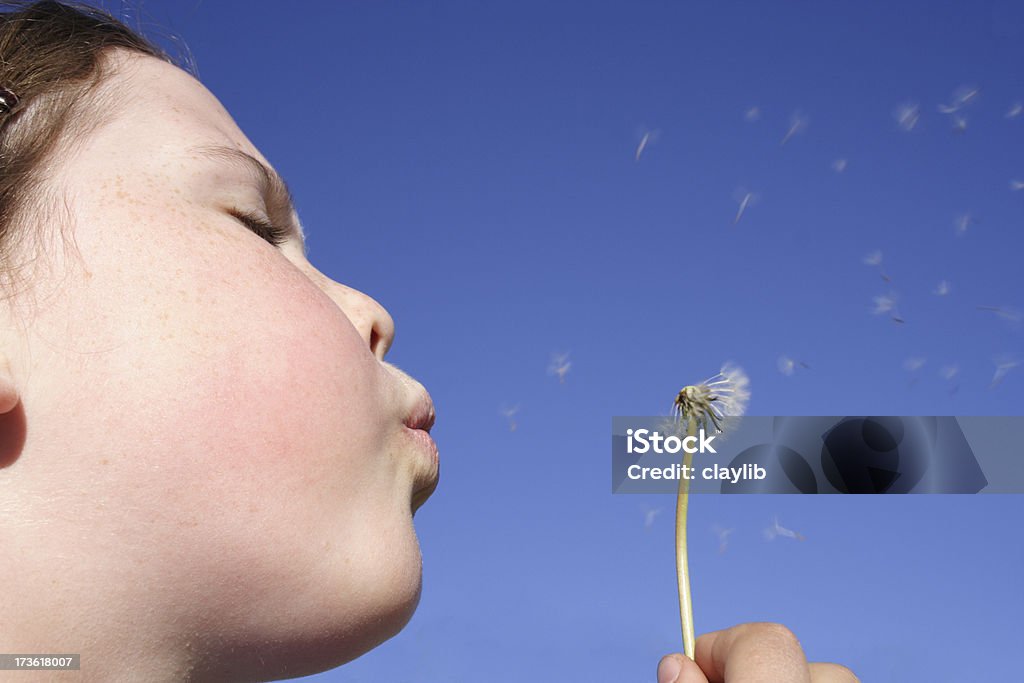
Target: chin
[{"x": 391, "y": 592}]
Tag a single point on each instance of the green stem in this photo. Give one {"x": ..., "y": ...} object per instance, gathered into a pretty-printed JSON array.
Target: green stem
[{"x": 682, "y": 568}]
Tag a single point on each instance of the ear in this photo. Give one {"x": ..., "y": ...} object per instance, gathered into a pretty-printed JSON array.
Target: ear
[{"x": 9, "y": 396}]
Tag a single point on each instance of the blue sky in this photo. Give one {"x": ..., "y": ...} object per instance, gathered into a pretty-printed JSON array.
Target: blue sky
[{"x": 472, "y": 166}]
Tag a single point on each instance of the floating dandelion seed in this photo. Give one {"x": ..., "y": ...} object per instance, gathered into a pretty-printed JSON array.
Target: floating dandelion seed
[
  {"x": 959, "y": 123},
  {"x": 1009, "y": 314},
  {"x": 787, "y": 365},
  {"x": 752, "y": 113},
  {"x": 948, "y": 372},
  {"x": 1016, "y": 185},
  {"x": 509, "y": 414},
  {"x": 962, "y": 96},
  {"x": 649, "y": 517},
  {"x": 942, "y": 289},
  {"x": 776, "y": 530},
  {"x": 875, "y": 259},
  {"x": 914, "y": 364},
  {"x": 962, "y": 222},
  {"x": 647, "y": 137},
  {"x": 745, "y": 199},
  {"x": 797, "y": 122},
  {"x": 723, "y": 537},
  {"x": 1004, "y": 363},
  {"x": 1015, "y": 109},
  {"x": 714, "y": 404},
  {"x": 839, "y": 165},
  {"x": 907, "y": 115},
  {"x": 886, "y": 303},
  {"x": 559, "y": 365}
]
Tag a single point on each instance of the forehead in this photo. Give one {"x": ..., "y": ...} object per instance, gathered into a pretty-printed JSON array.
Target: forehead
[{"x": 166, "y": 107}]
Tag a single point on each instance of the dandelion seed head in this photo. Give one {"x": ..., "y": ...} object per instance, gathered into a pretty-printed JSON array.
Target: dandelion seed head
[
  {"x": 839, "y": 165},
  {"x": 752, "y": 113},
  {"x": 942, "y": 289},
  {"x": 1015, "y": 110},
  {"x": 717, "y": 402},
  {"x": 1016, "y": 185}
]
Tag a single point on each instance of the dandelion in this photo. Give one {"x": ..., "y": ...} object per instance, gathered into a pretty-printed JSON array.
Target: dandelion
[
  {"x": 559, "y": 365},
  {"x": 509, "y": 414},
  {"x": 839, "y": 165},
  {"x": 714, "y": 404},
  {"x": 776, "y": 530},
  {"x": 752, "y": 114},
  {"x": 723, "y": 537},
  {"x": 907, "y": 115},
  {"x": 1015, "y": 109},
  {"x": 942, "y": 289},
  {"x": 797, "y": 122}
]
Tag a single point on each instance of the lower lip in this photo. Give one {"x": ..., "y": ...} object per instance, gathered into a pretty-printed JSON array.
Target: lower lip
[{"x": 426, "y": 443}]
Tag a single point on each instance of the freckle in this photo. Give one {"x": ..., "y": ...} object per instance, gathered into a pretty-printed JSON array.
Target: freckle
[{"x": 104, "y": 461}]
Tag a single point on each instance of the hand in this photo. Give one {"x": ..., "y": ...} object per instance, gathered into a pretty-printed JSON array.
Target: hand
[{"x": 750, "y": 653}]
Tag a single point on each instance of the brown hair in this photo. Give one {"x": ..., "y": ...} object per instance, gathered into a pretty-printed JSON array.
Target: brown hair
[{"x": 52, "y": 57}]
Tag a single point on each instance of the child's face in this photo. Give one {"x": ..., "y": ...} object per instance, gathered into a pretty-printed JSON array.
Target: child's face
[{"x": 209, "y": 421}]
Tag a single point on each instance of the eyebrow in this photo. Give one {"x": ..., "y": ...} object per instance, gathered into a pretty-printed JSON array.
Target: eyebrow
[{"x": 269, "y": 180}]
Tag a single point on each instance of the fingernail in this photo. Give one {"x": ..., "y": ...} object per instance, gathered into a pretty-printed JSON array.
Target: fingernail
[{"x": 668, "y": 670}]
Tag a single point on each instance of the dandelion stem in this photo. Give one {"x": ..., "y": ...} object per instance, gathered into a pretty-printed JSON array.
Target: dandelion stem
[{"x": 682, "y": 568}]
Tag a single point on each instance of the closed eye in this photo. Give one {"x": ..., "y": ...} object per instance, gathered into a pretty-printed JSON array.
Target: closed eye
[{"x": 262, "y": 227}]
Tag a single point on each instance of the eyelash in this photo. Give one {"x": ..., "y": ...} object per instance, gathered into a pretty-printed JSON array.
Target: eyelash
[{"x": 262, "y": 227}]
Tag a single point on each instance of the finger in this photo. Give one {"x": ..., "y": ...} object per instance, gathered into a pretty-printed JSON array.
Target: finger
[
  {"x": 752, "y": 653},
  {"x": 678, "y": 668},
  {"x": 823, "y": 672}
]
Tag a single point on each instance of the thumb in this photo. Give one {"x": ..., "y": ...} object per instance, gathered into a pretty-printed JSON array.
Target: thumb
[{"x": 676, "y": 668}]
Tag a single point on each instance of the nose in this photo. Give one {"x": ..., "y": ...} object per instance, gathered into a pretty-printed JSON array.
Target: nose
[{"x": 370, "y": 319}]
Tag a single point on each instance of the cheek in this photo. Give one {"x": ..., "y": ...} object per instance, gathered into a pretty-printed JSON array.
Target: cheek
[
  {"x": 288, "y": 392},
  {"x": 234, "y": 385}
]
